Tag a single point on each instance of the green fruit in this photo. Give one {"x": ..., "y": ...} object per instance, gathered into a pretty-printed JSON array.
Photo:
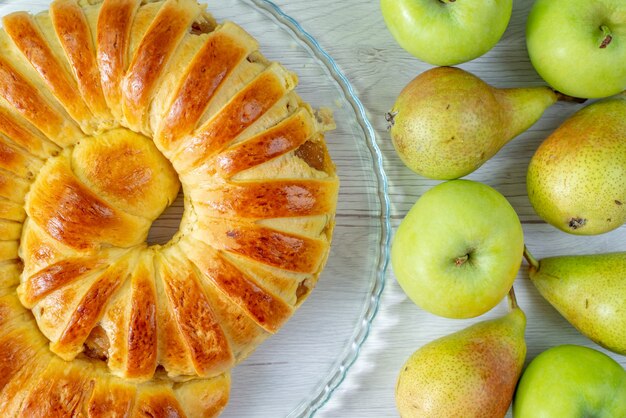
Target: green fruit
[
  {"x": 589, "y": 291},
  {"x": 577, "y": 178},
  {"x": 447, "y": 122},
  {"x": 445, "y": 32},
  {"x": 579, "y": 46},
  {"x": 471, "y": 373},
  {"x": 458, "y": 250},
  {"x": 571, "y": 381}
]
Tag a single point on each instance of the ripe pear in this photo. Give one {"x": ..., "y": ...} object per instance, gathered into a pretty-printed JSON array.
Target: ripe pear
[
  {"x": 447, "y": 122},
  {"x": 589, "y": 291},
  {"x": 577, "y": 178},
  {"x": 471, "y": 373}
]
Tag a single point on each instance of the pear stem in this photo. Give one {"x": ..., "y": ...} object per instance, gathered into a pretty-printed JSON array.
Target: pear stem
[
  {"x": 512, "y": 300},
  {"x": 569, "y": 99},
  {"x": 390, "y": 118},
  {"x": 532, "y": 261},
  {"x": 607, "y": 36}
]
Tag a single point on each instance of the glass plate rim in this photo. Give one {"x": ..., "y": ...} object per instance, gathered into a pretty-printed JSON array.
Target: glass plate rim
[{"x": 350, "y": 354}]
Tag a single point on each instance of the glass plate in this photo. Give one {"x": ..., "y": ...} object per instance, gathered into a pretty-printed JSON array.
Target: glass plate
[{"x": 296, "y": 371}]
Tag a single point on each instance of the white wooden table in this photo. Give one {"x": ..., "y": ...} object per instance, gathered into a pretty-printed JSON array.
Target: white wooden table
[{"x": 354, "y": 34}]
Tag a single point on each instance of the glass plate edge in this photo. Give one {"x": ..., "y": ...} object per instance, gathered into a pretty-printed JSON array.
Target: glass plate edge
[{"x": 351, "y": 353}]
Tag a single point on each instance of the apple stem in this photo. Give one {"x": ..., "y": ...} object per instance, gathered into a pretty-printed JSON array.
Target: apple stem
[
  {"x": 447, "y": 1},
  {"x": 512, "y": 299},
  {"x": 532, "y": 261},
  {"x": 459, "y": 261},
  {"x": 607, "y": 36}
]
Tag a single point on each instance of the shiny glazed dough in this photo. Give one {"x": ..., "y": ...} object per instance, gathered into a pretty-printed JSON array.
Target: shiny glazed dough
[{"x": 108, "y": 109}]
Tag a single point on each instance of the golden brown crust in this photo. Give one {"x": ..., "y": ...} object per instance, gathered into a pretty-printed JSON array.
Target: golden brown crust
[
  {"x": 204, "y": 337},
  {"x": 23, "y": 135},
  {"x": 89, "y": 310},
  {"x": 11, "y": 210},
  {"x": 265, "y": 245},
  {"x": 38, "y": 250},
  {"x": 10, "y": 230},
  {"x": 12, "y": 188},
  {"x": 75, "y": 216},
  {"x": 8, "y": 250},
  {"x": 271, "y": 199},
  {"x": 9, "y": 276},
  {"x": 221, "y": 53},
  {"x": 113, "y": 38},
  {"x": 18, "y": 388},
  {"x": 25, "y": 98},
  {"x": 110, "y": 399},
  {"x": 148, "y": 330},
  {"x": 173, "y": 353},
  {"x": 157, "y": 401},
  {"x": 242, "y": 110},
  {"x": 33, "y": 382},
  {"x": 151, "y": 57},
  {"x": 73, "y": 32},
  {"x": 29, "y": 40},
  {"x": 17, "y": 161},
  {"x": 244, "y": 334},
  {"x": 204, "y": 398},
  {"x": 15, "y": 352},
  {"x": 55, "y": 276},
  {"x": 60, "y": 392},
  {"x": 142, "y": 332},
  {"x": 241, "y": 329},
  {"x": 127, "y": 171},
  {"x": 267, "y": 310},
  {"x": 274, "y": 142}
]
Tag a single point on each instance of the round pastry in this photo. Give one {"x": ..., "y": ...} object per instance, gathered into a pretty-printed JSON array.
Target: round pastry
[{"x": 107, "y": 108}]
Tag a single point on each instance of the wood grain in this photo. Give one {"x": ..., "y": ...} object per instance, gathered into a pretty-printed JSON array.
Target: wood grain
[{"x": 354, "y": 34}]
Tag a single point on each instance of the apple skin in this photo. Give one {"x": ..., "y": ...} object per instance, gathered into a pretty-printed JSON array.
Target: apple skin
[
  {"x": 563, "y": 39},
  {"x": 444, "y": 32},
  {"x": 452, "y": 220},
  {"x": 571, "y": 381}
]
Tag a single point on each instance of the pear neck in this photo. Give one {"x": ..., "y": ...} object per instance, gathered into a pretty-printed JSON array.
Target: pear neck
[{"x": 523, "y": 107}]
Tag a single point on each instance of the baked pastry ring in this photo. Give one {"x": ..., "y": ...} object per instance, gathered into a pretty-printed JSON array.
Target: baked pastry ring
[{"x": 107, "y": 108}]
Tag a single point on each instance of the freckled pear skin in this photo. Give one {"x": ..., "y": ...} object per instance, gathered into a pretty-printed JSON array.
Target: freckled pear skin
[
  {"x": 577, "y": 178},
  {"x": 471, "y": 373},
  {"x": 589, "y": 291},
  {"x": 447, "y": 122}
]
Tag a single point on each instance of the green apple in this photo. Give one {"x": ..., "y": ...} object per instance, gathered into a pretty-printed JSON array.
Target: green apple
[
  {"x": 579, "y": 46},
  {"x": 571, "y": 381},
  {"x": 447, "y": 32},
  {"x": 458, "y": 250}
]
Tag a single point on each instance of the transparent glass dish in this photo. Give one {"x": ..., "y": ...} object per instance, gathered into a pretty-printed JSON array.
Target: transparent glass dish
[{"x": 296, "y": 371}]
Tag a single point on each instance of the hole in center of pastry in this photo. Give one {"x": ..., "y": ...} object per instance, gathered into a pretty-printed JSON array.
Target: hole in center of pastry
[{"x": 167, "y": 224}]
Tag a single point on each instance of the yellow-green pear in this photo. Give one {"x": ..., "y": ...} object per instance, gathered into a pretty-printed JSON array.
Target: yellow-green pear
[
  {"x": 447, "y": 122},
  {"x": 589, "y": 291},
  {"x": 577, "y": 178},
  {"x": 471, "y": 373}
]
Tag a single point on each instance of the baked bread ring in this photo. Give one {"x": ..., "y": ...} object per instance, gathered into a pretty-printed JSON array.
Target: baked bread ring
[{"x": 107, "y": 109}]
